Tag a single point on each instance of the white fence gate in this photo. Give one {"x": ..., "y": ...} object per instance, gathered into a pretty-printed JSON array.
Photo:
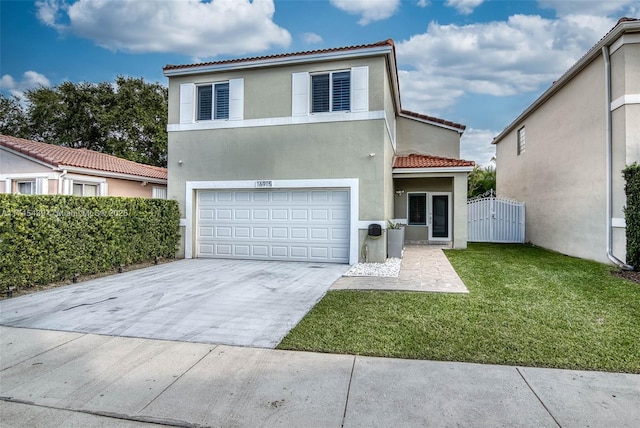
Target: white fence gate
[{"x": 495, "y": 219}]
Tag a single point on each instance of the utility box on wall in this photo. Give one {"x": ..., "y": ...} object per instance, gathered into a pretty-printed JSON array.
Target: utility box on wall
[{"x": 375, "y": 230}]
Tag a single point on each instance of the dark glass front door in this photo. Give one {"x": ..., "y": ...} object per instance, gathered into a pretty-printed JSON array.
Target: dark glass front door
[{"x": 440, "y": 220}]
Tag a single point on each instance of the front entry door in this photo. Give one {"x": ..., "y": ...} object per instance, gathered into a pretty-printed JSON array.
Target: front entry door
[{"x": 440, "y": 217}]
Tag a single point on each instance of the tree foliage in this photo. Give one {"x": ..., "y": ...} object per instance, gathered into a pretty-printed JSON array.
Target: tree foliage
[
  {"x": 481, "y": 180},
  {"x": 127, "y": 119},
  {"x": 13, "y": 120},
  {"x": 632, "y": 213}
]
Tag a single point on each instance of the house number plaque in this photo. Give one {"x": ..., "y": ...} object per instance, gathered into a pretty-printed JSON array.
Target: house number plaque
[{"x": 264, "y": 183}]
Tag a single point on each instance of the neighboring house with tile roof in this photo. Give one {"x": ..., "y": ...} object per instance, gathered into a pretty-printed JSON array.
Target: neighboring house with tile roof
[
  {"x": 295, "y": 156},
  {"x": 32, "y": 167},
  {"x": 563, "y": 156}
]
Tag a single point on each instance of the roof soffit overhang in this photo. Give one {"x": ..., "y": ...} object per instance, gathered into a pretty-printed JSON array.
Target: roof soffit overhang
[
  {"x": 108, "y": 174},
  {"x": 403, "y": 172},
  {"x": 609, "y": 39}
]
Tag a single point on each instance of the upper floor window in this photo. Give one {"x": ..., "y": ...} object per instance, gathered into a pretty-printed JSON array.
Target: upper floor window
[
  {"x": 521, "y": 140},
  {"x": 331, "y": 92},
  {"x": 27, "y": 187},
  {"x": 213, "y": 101}
]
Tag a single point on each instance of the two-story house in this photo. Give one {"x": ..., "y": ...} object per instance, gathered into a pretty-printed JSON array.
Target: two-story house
[
  {"x": 294, "y": 156},
  {"x": 564, "y": 155}
]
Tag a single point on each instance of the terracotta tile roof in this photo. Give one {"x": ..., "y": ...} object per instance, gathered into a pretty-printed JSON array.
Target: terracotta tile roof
[
  {"x": 387, "y": 42},
  {"x": 427, "y": 161},
  {"x": 81, "y": 158},
  {"x": 434, "y": 119}
]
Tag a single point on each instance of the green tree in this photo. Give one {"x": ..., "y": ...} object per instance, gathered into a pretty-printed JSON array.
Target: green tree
[
  {"x": 13, "y": 118},
  {"x": 127, "y": 119},
  {"x": 481, "y": 180}
]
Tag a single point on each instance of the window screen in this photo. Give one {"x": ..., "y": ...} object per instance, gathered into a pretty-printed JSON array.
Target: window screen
[
  {"x": 417, "y": 208},
  {"x": 205, "y": 102},
  {"x": 319, "y": 93},
  {"x": 27, "y": 188},
  {"x": 213, "y": 101},
  {"x": 341, "y": 91},
  {"x": 222, "y": 101}
]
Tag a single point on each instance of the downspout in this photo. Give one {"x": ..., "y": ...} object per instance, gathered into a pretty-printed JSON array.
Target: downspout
[
  {"x": 61, "y": 181},
  {"x": 608, "y": 156}
]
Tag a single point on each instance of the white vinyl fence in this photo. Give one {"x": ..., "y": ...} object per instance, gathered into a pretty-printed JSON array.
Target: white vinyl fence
[{"x": 495, "y": 219}]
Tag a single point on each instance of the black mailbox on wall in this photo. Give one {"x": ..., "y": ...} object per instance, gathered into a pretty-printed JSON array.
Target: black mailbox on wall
[{"x": 375, "y": 230}]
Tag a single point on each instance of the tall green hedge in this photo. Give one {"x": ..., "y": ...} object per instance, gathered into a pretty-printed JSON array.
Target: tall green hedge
[
  {"x": 632, "y": 213},
  {"x": 44, "y": 239}
]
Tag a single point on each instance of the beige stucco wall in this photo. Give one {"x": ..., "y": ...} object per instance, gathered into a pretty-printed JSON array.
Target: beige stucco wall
[
  {"x": 129, "y": 188},
  {"x": 417, "y": 137},
  {"x": 311, "y": 151},
  {"x": 562, "y": 173},
  {"x": 267, "y": 91}
]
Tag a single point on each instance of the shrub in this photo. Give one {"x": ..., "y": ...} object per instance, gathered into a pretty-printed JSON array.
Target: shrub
[
  {"x": 50, "y": 238},
  {"x": 632, "y": 213}
]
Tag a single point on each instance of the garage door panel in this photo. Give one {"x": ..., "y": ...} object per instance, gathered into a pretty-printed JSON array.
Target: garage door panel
[{"x": 302, "y": 224}]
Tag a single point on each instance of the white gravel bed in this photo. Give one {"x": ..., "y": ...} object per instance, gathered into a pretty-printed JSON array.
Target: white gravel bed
[{"x": 390, "y": 268}]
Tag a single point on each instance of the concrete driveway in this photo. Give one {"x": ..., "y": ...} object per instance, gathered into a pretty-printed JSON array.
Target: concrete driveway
[{"x": 231, "y": 302}]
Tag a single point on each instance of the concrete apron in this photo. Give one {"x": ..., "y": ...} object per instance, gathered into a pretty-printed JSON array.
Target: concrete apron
[
  {"x": 424, "y": 268},
  {"x": 233, "y": 302},
  {"x": 50, "y": 378}
]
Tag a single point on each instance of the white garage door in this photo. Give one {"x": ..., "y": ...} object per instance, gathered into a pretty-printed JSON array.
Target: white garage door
[{"x": 297, "y": 225}]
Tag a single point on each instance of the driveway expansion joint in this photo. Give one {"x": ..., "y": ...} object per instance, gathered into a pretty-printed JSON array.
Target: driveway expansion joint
[{"x": 538, "y": 397}]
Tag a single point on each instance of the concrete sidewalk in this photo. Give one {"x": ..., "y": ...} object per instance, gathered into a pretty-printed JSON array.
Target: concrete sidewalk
[{"x": 52, "y": 378}]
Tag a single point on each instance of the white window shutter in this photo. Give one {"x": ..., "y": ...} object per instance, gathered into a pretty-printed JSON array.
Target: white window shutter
[
  {"x": 187, "y": 102},
  {"x": 236, "y": 99},
  {"x": 103, "y": 189},
  {"x": 42, "y": 186},
  {"x": 300, "y": 94},
  {"x": 360, "y": 89},
  {"x": 67, "y": 186},
  {"x": 7, "y": 185}
]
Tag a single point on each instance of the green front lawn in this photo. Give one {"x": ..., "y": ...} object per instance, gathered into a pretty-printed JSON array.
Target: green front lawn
[{"x": 526, "y": 306}]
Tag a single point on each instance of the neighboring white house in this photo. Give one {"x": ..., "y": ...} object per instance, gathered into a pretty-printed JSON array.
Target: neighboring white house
[
  {"x": 564, "y": 155},
  {"x": 294, "y": 156},
  {"x": 32, "y": 167}
]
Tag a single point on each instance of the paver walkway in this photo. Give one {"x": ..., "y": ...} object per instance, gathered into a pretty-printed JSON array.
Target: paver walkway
[{"x": 424, "y": 268}]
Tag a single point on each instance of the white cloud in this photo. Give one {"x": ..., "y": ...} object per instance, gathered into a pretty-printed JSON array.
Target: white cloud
[
  {"x": 194, "y": 28},
  {"x": 521, "y": 55},
  {"x": 30, "y": 80},
  {"x": 370, "y": 10},
  {"x": 465, "y": 7},
  {"x": 618, "y": 8},
  {"x": 311, "y": 38},
  {"x": 475, "y": 145},
  {"x": 423, "y": 3}
]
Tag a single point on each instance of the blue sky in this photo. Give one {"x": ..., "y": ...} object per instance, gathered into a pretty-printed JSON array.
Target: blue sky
[{"x": 476, "y": 62}]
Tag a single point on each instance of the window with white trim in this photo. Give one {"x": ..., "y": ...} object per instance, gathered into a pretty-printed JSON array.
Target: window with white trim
[
  {"x": 26, "y": 187},
  {"x": 417, "y": 209},
  {"x": 331, "y": 91},
  {"x": 85, "y": 189},
  {"x": 159, "y": 193},
  {"x": 521, "y": 140},
  {"x": 213, "y": 101}
]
